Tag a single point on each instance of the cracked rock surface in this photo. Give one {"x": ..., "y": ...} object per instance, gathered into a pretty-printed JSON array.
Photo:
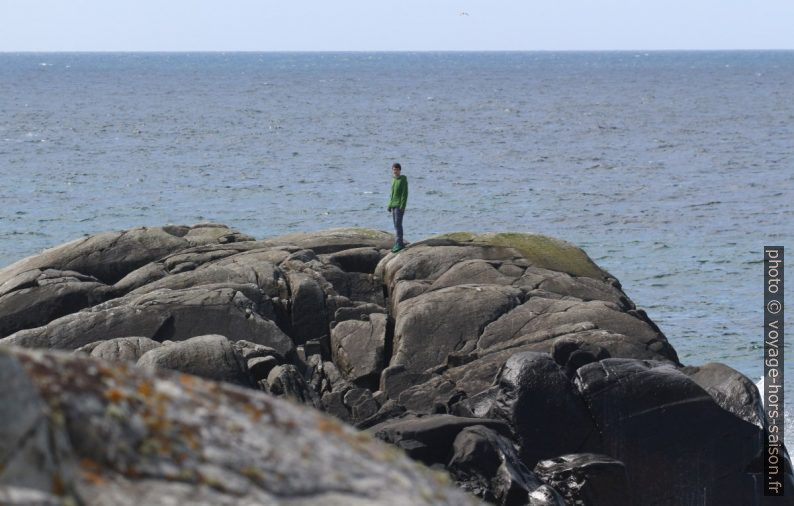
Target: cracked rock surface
[{"x": 510, "y": 363}]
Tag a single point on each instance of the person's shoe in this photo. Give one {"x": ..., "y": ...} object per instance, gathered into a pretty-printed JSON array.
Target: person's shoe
[
  {"x": 394, "y": 249},
  {"x": 397, "y": 247}
]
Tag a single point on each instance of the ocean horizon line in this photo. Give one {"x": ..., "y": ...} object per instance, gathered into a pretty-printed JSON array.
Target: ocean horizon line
[{"x": 395, "y": 51}]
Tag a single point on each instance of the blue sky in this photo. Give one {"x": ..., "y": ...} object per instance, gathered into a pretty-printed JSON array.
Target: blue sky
[{"x": 376, "y": 25}]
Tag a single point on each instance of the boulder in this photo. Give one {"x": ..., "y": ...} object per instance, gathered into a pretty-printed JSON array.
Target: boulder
[
  {"x": 112, "y": 255},
  {"x": 731, "y": 390},
  {"x": 579, "y": 287},
  {"x": 286, "y": 381},
  {"x": 358, "y": 348},
  {"x": 120, "y": 348},
  {"x": 674, "y": 439},
  {"x": 546, "y": 496},
  {"x": 586, "y": 478},
  {"x": 357, "y": 259},
  {"x": 334, "y": 240},
  {"x": 211, "y": 357},
  {"x": 540, "y": 313},
  {"x": 308, "y": 316},
  {"x": 176, "y": 315},
  {"x": 430, "y": 438},
  {"x": 33, "y": 298},
  {"x": 433, "y": 325},
  {"x": 76, "y": 430},
  {"x": 359, "y": 312},
  {"x": 249, "y": 252},
  {"x": 542, "y": 405},
  {"x": 485, "y": 463}
]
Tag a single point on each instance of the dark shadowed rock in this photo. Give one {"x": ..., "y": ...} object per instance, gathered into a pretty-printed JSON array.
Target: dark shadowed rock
[
  {"x": 357, "y": 259},
  {"x": 562, "y": 425},
  {"x": 430, "y": 438},
  {"x": 587, "y": 479},
  {"x": 260, "y": 367},
  {"x": 33, "y": 298},
  {"x": 211, "y": 357},
  {"x": 674, "y": 439},
  {"x": 81, "y": 431},
  {"x": 309, "y": 320},
  {"x": 485, "y": 463},
  {"x": 731, "y": 390}
]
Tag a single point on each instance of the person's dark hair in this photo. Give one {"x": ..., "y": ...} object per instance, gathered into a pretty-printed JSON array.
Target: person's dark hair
[{"x": 396, "y": 165}]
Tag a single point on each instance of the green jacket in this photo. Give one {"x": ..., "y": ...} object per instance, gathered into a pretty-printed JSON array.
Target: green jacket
[{"x": 399, "y": 192}]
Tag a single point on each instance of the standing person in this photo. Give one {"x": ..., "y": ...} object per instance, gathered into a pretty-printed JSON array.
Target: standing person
[{"x": 397, "y": 201}]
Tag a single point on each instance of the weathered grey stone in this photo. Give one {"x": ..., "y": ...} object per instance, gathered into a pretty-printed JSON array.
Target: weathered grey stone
[
  {"x": 472, "y": 272},
  {"x": 249, "y": 350},
  {"x": 285, "y": 380},
  {"x": 396, "y": 378},
  {"x": 333, "y": 403},
  {"x": 110, "y": 256},
  {"x": 334, "y": 240},
  {"x": 212, "y": 357},
  {"x": 539, "y": 314},
  {"x": 164, "y": 314},
  {"x": 33, "y": 298},
  {"x": 358, "y": 312},
  {"x": 103, "y": 429},
  {"x": 404, "y": 290},
  {"x": 435, "y": 324},
  {"x": 583, "y": 288},
  {"x": 122, "y": 348},
  {"x": 361, "y": 403},
  {"x": 357, "y": 347}
]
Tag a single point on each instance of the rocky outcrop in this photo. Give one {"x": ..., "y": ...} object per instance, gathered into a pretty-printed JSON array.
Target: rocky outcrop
[{"x": 510, "y": 361}]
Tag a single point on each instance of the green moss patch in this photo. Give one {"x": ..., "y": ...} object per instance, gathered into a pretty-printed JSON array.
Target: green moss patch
[{"x": 539, "y": 250}]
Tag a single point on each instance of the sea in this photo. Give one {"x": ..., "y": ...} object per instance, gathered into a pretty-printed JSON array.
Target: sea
[{"x": 671, "y": 169}]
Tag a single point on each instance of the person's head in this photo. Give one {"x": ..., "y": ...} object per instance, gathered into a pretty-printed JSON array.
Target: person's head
[{"x": 395, "y": 169}]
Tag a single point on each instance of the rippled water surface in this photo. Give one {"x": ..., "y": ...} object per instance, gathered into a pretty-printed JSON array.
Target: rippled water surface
[{"x": 672, "y": 169}]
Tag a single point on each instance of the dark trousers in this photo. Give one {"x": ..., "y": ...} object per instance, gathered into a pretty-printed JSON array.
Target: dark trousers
[{"x": 397, "y": 216}]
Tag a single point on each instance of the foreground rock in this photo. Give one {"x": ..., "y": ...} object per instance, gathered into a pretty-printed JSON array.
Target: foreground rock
[
  {"x": 81, "y": 431},
  {"x": 511, "y": 361}
]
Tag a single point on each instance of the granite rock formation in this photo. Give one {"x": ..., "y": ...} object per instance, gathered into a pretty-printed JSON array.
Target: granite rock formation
[{"x": 509, "y": 362}]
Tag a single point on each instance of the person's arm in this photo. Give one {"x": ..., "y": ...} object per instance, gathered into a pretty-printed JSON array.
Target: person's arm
[{"x": 403, "y": 194}]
